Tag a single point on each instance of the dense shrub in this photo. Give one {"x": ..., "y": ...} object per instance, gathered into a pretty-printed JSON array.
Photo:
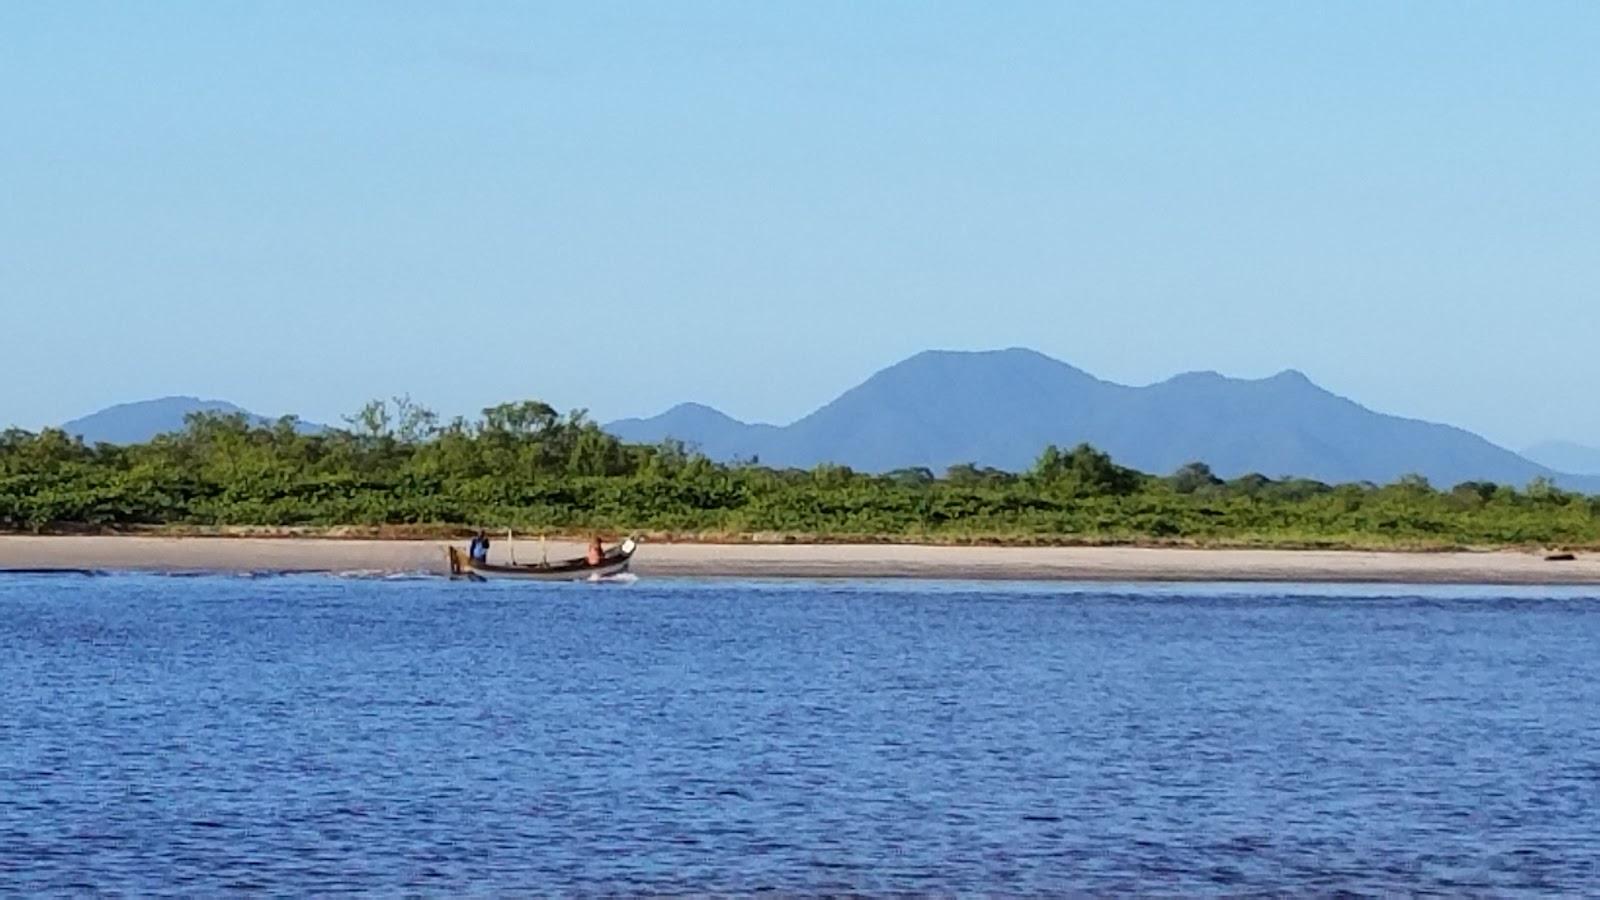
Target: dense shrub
[{"x": 524, "y": 466}]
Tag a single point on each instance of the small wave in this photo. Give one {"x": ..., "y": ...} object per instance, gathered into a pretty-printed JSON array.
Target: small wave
[
  {"x": 619, "y": 578},
  {"x": 386, "y": 575}
]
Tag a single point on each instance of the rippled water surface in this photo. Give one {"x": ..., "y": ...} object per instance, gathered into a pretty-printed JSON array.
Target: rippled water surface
[{"x": 308, "y": 734}]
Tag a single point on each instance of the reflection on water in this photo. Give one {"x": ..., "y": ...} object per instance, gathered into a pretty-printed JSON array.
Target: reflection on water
[{"x": 309, "y": 734}]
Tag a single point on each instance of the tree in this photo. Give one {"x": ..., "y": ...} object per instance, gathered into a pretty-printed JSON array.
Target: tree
[
  {"x": 963, "y": 473},
  {"x": 1192, "y": 477},
  {"x": 1543, "y": 488},
  {"x": 528, "y": 417},
  {"x": 832, "y": 475},
  {"x": 1050, "y": 465},
  {"x": 415, "y": 422},
  {"x": 373, "y": 419},
  {"x": 1086, "y": 471},
  {"x": 1413, "y": 483},
  {"x": 1250, "y": 485},
  {"x": 594, "y": 452},
  {"x": 1477, "y": 491}
]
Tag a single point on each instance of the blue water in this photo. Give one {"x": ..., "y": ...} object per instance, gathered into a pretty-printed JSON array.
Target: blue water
[{"x": 305, "y": 734}]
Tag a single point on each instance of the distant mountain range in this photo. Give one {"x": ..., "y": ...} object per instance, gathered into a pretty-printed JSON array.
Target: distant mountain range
[
  {"x": 135, "y": 423},
  {"x": 1000, "y": 408},
  {"x": 1565, "y": 456}
]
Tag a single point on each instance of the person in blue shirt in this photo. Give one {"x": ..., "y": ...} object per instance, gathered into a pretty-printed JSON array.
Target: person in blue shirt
[{"x": 479, "y": 548}]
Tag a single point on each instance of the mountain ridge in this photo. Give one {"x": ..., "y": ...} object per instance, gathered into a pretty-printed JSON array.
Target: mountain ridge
[
  {"x": 1000, "y": 408},
  {"x": 138, "y": 421},
  {"x": 1566, "y": 456}
]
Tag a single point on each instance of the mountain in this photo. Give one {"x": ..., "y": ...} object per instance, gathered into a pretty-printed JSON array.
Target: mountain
[
  {"x": 1000, "y": 408},
  {"x": 716, "y": 435},
  {"x": 1565, "y": 456},
  {"x": 135, "y": 423}
]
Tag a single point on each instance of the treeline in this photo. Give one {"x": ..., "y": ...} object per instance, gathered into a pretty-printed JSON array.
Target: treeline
[{"x": 523, "y": 465}]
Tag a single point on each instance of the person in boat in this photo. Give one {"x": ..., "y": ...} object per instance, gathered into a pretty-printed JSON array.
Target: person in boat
[
  {"x": 479, "y": 548},
  {"x": 597, "y": 551}
]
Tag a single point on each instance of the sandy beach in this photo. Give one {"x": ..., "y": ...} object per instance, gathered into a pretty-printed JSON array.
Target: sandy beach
[{"x": 231, "y": 554}]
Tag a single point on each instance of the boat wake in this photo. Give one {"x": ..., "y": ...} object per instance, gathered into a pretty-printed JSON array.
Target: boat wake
[{"x": 619, "y": 578}]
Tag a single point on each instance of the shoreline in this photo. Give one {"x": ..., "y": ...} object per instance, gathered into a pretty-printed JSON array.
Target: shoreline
[{"x": 814, "y": 561}]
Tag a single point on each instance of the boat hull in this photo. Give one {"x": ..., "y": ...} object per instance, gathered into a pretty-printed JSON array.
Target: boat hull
[{"x": 615, "y": 562}]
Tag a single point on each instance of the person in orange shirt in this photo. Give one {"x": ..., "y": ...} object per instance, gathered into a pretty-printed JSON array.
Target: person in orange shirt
[{"x": 597, "y": 551}]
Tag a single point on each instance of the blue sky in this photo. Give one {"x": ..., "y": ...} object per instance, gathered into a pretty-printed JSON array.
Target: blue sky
[{"x": 755, "y": 205}]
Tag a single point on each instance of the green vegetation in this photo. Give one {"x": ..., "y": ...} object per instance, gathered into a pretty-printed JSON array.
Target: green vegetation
[{"x": 522, "y": 465}]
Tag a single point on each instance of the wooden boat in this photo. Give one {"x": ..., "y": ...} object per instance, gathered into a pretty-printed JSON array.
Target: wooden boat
[{"x": 614, "y": 562}]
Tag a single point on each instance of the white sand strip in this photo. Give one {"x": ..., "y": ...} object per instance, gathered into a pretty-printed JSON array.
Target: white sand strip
[{"x": 229, "y": 554}]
